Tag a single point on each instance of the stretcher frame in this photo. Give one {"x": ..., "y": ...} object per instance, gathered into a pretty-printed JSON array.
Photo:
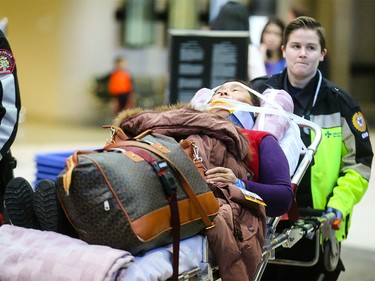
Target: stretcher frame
[{"x": 312, "y": 225}]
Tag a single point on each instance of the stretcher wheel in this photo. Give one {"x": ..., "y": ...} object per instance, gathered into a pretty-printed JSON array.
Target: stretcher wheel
[{"x": 331, "y": 256}]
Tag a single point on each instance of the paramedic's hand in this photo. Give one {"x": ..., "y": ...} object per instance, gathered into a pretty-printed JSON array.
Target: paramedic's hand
[
  {"x": 337, "y": 221},
  {"x": 220, "y": 175}
]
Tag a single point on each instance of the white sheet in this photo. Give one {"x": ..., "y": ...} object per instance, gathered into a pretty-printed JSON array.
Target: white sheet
[{"x": 156, "y": 264}]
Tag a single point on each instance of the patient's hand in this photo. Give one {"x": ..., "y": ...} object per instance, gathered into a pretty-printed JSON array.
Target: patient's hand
[{"x": 220, "y": 175}]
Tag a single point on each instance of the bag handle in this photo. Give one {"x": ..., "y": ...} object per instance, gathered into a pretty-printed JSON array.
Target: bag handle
[
  {"x": 117, "y": 134},
  {"x": 191, "y": 149},
  {"x": 67, "y": 177},
  {"x": 192, "y": 196}
]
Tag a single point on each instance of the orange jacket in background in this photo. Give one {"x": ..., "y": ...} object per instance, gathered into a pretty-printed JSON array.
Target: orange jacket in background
[{"x": 120, "y": 83}]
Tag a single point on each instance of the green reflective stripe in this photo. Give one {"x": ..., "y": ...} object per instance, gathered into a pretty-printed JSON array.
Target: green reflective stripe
[
  {"x": 324, "y": 175},
  {"x": 349, "y": 160}
]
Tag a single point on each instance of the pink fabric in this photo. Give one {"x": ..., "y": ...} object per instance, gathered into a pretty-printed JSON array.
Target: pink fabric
[
  {"x": 201, "y": 98},
  {"x": 29, "y": 254},
  {"x": 277, "y": 125}
]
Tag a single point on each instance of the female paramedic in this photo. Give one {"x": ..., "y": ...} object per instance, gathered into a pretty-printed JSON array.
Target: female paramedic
[{"x": 342, "y": 166}]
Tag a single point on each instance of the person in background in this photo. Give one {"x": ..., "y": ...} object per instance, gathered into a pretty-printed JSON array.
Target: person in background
[
  {"x": 341, "y": 172},
  {"x": 10, "y": 106},
  {"x": 297, "y": 9},
  {"x": 270, "y": 45},
  {"x": 235, "y": 16},
  {"x": 120, "y": 85}
]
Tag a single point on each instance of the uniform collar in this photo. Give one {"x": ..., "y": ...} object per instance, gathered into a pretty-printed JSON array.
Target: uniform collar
[{"x": 305, "y": 97}]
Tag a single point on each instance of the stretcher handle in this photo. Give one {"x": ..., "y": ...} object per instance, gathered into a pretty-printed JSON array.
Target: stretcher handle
[
  {"x": 330, "y": 218},
  {"x": 300, "y": 121},
  {"x": 311, "y": 150}
]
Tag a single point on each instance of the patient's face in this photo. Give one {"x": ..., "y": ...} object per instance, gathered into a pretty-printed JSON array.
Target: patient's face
[{"x": 234, "y": 91}]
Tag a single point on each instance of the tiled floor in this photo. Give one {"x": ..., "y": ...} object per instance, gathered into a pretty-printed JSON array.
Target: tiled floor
[{"x": 358, "y": 251}]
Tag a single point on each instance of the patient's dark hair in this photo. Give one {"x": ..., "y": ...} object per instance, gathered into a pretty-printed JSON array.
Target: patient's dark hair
[{"x": 254, "y": 99}]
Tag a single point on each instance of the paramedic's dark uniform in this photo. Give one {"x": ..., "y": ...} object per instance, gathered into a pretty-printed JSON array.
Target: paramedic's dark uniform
[
  {"x": 339, "y": 178},
  {"x": 10, "y": 105}
]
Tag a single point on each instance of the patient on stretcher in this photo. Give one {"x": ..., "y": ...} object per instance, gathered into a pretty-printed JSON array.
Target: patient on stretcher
[
  {"x": 237, "y": 246},
  {"x": 258, "y": 115},
  {"x": 271, "y": 180}
]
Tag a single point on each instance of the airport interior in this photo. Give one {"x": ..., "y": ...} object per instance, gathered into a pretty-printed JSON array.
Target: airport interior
[{"x": 64, "y": 47}]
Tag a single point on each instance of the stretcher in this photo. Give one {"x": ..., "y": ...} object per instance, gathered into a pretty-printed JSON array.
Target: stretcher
[
  {"x": 35, "y": 255},
  {"x": 311, "y": 224}
]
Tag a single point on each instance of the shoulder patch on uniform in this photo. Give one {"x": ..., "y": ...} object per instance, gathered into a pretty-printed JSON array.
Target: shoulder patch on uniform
[
  {"x": 7, "y": 62},
  {"x": 359, "y": 122}
]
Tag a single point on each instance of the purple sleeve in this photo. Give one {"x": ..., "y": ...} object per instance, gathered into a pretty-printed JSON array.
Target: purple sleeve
[{"x": 274, "y": 184}]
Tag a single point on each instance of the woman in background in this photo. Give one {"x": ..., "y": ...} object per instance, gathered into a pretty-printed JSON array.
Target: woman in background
[{"x": 271, "y": 40}]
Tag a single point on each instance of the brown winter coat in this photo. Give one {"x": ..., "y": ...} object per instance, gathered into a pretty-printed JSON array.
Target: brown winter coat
[{"x": 236, "y": 241}]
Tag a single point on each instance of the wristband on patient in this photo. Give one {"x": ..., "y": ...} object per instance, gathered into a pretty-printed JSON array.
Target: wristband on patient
[{"x": 239, "y": 183}]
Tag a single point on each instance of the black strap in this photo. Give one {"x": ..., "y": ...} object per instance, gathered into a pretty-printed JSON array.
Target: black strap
[
  {"x": 175, "y": 233},
  {"x": 170, "y": 190}
]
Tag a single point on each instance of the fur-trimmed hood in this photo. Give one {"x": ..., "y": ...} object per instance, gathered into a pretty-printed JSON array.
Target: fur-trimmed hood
[{"x": 180, "y": 121}]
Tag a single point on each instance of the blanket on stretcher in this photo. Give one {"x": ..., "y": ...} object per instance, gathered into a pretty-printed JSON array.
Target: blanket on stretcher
[{"x": 29, "y": 254}]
